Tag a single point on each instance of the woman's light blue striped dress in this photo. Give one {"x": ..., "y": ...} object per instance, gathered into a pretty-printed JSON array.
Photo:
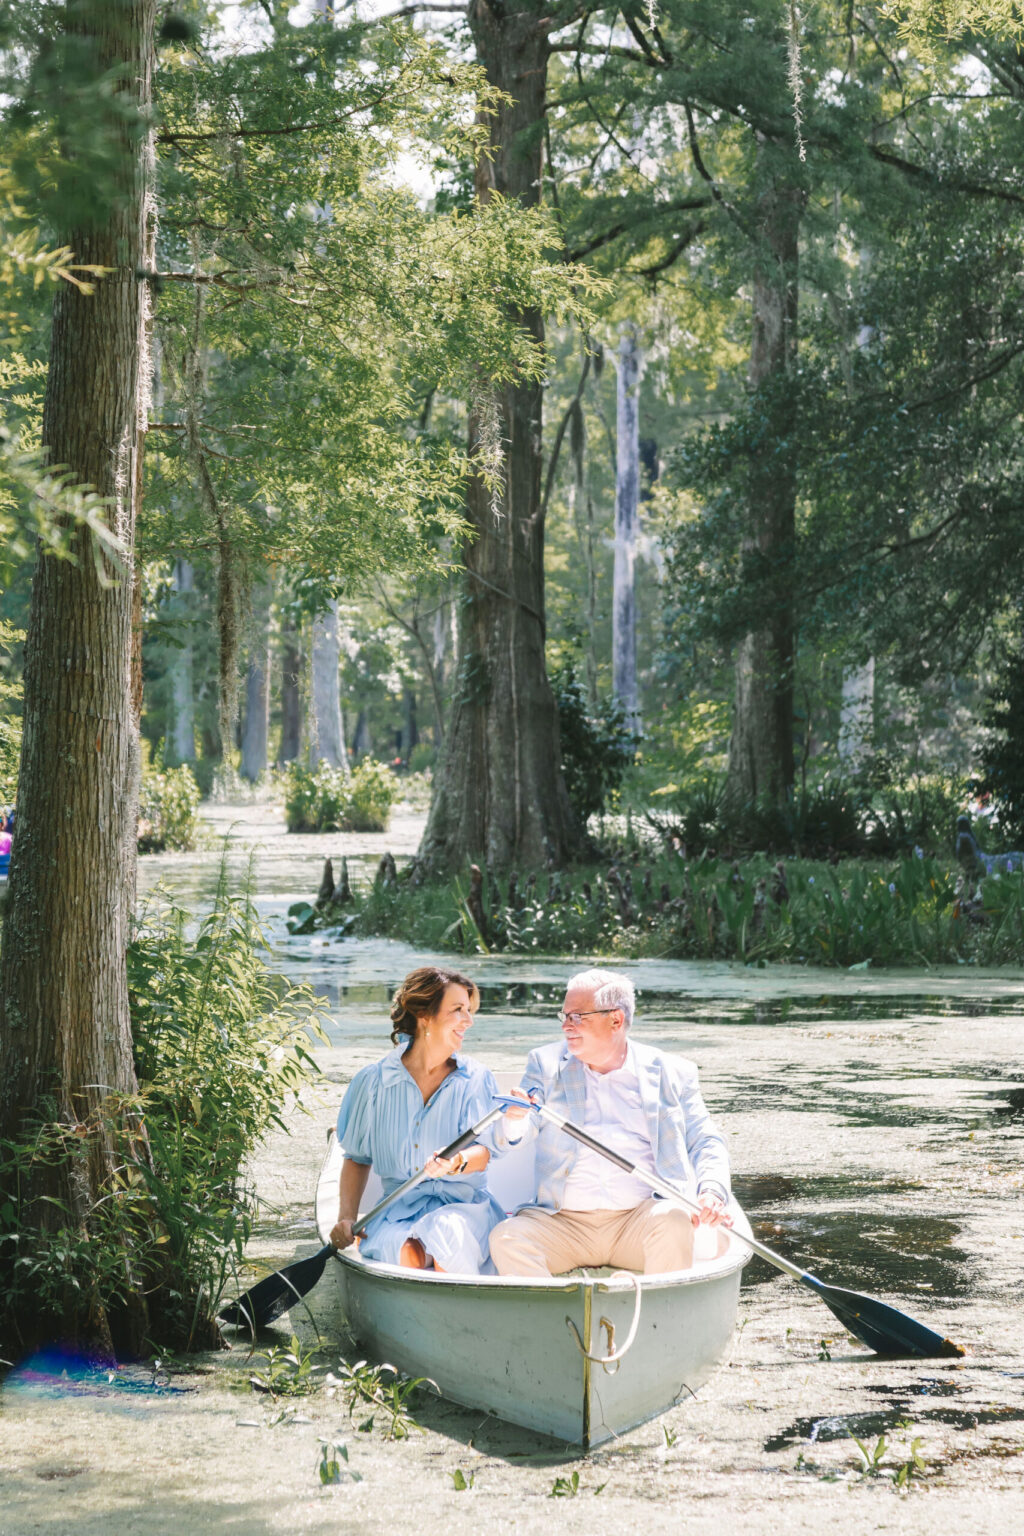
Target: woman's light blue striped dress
[{"x": 384, "y": 1121}]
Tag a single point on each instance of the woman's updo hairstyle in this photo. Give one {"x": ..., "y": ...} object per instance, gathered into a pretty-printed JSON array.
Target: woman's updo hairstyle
[{"x": 421, "y": 995}]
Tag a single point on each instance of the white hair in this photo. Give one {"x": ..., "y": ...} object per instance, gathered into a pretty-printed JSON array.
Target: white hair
[{"x": 610, "y": 988}]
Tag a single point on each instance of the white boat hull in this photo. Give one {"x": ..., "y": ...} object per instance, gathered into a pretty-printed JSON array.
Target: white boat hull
[{"x": 515, "y": 1347}]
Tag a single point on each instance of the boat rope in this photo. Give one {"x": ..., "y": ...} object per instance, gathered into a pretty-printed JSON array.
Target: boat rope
[{"x": 610, "y": 1361}]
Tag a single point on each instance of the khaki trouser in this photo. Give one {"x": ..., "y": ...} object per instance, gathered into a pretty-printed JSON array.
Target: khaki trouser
[{"x": 652, "y": 1238}]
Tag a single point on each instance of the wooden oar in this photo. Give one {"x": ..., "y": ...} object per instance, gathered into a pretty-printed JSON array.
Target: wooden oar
[
  {"x": 266, "y": 1300},
  {"x": 881, "y": 1327}
]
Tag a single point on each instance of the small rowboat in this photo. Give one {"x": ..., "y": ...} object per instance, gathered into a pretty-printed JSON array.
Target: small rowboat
[{"x": 579, "y": 1357}]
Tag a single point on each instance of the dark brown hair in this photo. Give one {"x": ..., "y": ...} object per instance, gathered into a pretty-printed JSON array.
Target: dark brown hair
[{"x": 421, "y": 995}]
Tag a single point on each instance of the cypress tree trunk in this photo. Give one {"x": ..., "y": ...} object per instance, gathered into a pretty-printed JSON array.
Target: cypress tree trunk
[
  {"x": 327, "y": 741},
  {"x": 499, "y": 791},
  {"x": 182, "y": 737},
  {"x": 627, "y": 527},
  {"x": 256, "y": 727},
  {"x": 761, "y": 748},
  {"x": 65, "y": 1031},
  {"x": 291, "y": 692},
  {"x": 857, "y": 714}
]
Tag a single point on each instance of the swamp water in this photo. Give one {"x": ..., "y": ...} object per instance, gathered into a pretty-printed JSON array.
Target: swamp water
[{"x": 876, "y": 1124}]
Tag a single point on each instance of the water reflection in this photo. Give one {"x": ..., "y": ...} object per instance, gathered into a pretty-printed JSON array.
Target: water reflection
[{"x": 841, "y": 1426}]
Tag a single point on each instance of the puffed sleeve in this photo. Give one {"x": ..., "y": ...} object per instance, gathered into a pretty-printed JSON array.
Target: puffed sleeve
[{"x": 355, "y": 1117}]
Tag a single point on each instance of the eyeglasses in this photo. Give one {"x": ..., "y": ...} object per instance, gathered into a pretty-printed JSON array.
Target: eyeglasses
[{"x": 576, "y": 1019}]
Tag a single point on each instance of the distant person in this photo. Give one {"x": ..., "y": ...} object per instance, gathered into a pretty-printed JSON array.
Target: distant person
[
  {"x": 6, "y": 827},
  {"x": 640, "y": 1102},
  {"x": 421, "y": 1096}
]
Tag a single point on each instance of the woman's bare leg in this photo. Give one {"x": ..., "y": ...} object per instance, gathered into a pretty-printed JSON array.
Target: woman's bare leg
[{"x": 414, "y": 1256}]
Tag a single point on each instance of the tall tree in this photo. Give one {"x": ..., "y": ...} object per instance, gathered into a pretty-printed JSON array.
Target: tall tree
[
  {"x": 291, "y": 690},
  {"x": 761, "y": 747},
  {"x": 65, "y": 1037},
  {"x": 327, "y": 741},
  {"x": 182, "y": 736},
  {"x": 499, "y": 790},
  {"x": 256, "y": 722},
  {"x": 627, "y": 526}
]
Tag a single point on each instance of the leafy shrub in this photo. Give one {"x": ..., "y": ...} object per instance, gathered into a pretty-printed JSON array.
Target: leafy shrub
[
  {"x": 322, "y": 799},
  {"x": 597, "y": 748},
  {"x": 916, "y": 910},
  {"x": 422, "y": 757},
  {"x": 919, "y": 810},
  {"x": 881, "y": 815},
  {"x": 220, "y": 1045},
  {"x": 372, "y": 791},
  {"x": 168, "y": 807}
]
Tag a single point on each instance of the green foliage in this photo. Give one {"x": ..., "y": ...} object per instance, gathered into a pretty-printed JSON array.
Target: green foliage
[
  {"x": 597, "y": 746},
  {"x": 329, "y": 1464},
  {"x": 383, "y": 1390},
  {"x": 422, "y": 757},
  {"x": 570, "y": 1487},
  {"x": 289, "y": 1371},
  {"x": 168, "y": 808},
  {"x": 10, "y": 724},
  {"x": 879, "y": 814},
  {"x": 220, "y": 1044},
  {"x": 334, "y": 301},
  {"x": 322, "y": 799},
  {"x": 1002, "y": 753},
  {"x": 38, "y": 501},
  {"x": 460, "y": 1482},
  {"x": 903, "y": 1472},
  {"x": 915, "y": 911}
]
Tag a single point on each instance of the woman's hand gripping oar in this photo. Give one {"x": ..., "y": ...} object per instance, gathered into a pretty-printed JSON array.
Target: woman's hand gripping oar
[
  {"x": 259, "y": 1305},
  {"x": 881, "y": 1327}
]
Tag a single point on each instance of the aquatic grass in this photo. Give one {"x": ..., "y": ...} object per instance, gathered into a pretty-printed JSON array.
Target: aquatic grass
[
  {"x": 917, "y": 911},
  {"x": 288, "y": 1371},
  {"x": 362, "y": 1385},
  {"x": 903, "y": 1472},
  {"x": 329, "y": 1464},
  {"x": 570, "y": 1487}
]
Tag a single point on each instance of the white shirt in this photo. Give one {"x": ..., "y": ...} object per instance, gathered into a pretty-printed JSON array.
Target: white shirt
[{"x": 614, "y": 1115}]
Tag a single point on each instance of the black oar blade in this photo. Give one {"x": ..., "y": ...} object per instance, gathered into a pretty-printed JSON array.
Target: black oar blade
[
  {"x": 274, "y": 1295},
  {"x": 881, "y": 1327}
]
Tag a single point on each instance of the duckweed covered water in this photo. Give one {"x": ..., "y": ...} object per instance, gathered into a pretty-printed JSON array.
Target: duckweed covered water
[{"x": 876, "y": 1126}]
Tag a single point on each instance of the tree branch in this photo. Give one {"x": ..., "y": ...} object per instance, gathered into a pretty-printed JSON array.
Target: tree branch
[
  {"x": 658, "y": 211},
  {"x": 681, "y": 245},
  {"x": 556, "y": 446},
  {"x": 921, "y": 172},
  {"x": 702, "y": 171},
  {"x": 419, "y": 10}
]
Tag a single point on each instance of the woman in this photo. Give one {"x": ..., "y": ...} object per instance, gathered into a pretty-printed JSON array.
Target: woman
[{"x": 421, "y": 1096}]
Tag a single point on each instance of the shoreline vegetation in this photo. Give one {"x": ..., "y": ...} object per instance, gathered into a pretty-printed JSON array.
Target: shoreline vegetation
[
  {"x": 914, "y": 910},
  {"x": 222, "y": 1049}
]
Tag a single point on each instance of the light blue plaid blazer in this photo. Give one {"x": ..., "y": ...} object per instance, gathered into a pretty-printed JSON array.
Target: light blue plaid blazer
[{"x": 689, "y": 1149}]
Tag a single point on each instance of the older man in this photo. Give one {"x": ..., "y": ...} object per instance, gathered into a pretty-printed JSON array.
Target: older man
[{"x": 641, "y": 1103}]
